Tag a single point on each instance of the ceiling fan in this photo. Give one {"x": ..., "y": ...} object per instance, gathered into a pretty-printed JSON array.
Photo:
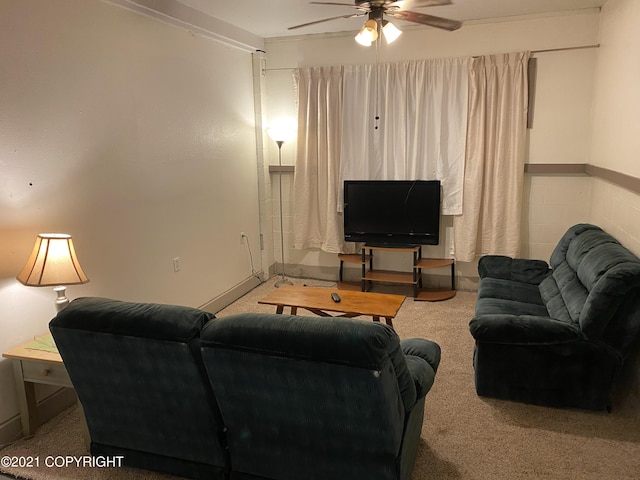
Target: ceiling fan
[{"x": 376, "y": 10}]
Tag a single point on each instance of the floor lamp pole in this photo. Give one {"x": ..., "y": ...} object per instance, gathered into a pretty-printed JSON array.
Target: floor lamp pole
[{"x": 283, "y": 280}]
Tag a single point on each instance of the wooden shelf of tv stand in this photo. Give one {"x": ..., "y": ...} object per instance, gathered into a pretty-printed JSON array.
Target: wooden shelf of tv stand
[
  {"x": 413, "y": 278},
  {"x": 436, "y": 294},
  {"x": 356, "y": 259},
  {"x": 389, "y": 277}
]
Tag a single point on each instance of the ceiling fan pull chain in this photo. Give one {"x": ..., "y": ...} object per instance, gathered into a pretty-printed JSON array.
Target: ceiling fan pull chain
[{"x": 377, "y": 88}]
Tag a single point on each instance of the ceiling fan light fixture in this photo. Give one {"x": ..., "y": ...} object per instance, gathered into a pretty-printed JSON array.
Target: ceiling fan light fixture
[
  {"x": 363, "y": 40},
  {"x": 390, "y": 31},
  {"x": 368, "y": 33}
]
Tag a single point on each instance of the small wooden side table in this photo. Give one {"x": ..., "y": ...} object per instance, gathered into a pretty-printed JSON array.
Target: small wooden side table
[{"x": 33, "y": 364}]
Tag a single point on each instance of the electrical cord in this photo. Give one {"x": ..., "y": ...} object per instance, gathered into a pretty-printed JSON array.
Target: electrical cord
[{"x": 253, "y": 270}]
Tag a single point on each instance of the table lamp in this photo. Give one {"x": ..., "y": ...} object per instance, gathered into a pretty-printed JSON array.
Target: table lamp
[{"x": 53, "y": 263}]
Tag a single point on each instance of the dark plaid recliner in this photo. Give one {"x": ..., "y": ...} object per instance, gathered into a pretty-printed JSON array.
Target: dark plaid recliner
[
  {"x": 253, "y": 396},
  {"x": 139, "y": 376},
  {"x": 318, "y": 398}
]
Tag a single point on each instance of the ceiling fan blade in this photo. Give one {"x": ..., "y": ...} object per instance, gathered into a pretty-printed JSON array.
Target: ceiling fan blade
[
  {"x": 409, "y": 4},
  {"x": 364, "y": 6},
  {"x": 326, "y": 20},
  {"x": 438, "y": 22},
  {"x": 335, "y": 3}
]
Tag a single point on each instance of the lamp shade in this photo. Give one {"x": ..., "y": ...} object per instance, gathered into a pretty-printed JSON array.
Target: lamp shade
[
  {"x": 390, "y": 31},
  {"x": 283, "y": 129},
  {"x": 52, "y": 262},
  {"x": 368, "y": 33}
]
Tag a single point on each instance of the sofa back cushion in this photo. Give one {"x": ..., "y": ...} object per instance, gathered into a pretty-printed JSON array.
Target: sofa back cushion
[
  {"x": 138, "y": 373},
  {"x": 592, "y": 276},
  {"x": 326, "y": 397}
]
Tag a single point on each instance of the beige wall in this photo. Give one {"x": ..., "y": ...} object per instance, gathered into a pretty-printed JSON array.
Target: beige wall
[
  {"x": 616, "y": 123},
  {"x": 552, "y": 203},
  {"x": 136, "y": 137},
  {"x": 560, "y": 134},
  {"x": 610, "y": 102}
]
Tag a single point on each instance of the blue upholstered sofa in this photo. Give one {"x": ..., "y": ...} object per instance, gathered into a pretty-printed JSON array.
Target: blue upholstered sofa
[
  {"x": 557, "y": 334},
  {"x": 251, "y": 396}
]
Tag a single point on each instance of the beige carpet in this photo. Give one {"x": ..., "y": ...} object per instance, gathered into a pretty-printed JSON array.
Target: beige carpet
[{"x": 463, "y": 437}]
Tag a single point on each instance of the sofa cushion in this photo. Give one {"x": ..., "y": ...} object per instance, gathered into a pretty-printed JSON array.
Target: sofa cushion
[
  {"x": 592, "y": 274},
  {"x": 559, "y": 254},
  {"x": 497, "y": 296},
  {"x": 563, "y": 294},
  {"x": 516, "y": 269},
  {"x": 492, "y": 306},
  {"x": 523, "y": 330},
  {"x": 498, "y": 288}
]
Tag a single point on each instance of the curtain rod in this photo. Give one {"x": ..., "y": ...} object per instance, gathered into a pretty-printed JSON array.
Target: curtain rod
[
  {"x": 561, "y": 49},
  {"x": 596, "y": 45}
]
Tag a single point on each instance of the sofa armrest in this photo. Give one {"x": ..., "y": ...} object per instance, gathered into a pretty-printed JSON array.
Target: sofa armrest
[
  {"x": 523, "y": 329},
  {"x": 515, "y": 269}
]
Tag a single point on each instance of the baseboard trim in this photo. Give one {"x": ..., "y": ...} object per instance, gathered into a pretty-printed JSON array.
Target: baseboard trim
[
  {"x": 10, "y": 431},
  {"x": 221, "y": 301}
]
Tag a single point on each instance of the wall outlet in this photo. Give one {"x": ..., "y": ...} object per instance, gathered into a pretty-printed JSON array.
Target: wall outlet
[
  {"x": 243, "y": 236},
  {"x": 176, "y": 264}
]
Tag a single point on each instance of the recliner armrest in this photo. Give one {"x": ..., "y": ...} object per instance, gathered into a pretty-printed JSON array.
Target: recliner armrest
[
  {"x": 422, "y": 373},
  {"x": 523, "y": 329},
  {"x": 423, "y": 358},
  {"x": 515, "y": 269},
  {"x": 426, "y": 349}
]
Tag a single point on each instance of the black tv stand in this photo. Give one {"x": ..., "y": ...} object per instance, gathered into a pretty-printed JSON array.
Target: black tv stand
[{"x": 414, "y": 278}]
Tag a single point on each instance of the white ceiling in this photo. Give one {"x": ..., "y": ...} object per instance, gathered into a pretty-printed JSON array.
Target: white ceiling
[{"x": 271, "y": 18}]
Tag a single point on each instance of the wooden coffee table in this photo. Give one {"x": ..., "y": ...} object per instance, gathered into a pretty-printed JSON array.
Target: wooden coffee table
[{"x": 352, "y": 304}]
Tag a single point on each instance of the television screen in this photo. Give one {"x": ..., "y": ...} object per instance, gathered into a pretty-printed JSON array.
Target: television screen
[{"x": 392, "y": 212}]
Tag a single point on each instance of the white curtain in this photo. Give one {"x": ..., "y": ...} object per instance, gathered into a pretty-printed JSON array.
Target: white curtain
[
  {"x": 494, "y": 169},
  {"x": 406, "y": 121},
  {"x": 403, "y": 121},
  {"x": 316, "y": 221}
]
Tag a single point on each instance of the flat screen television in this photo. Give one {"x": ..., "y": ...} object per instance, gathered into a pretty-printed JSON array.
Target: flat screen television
[{"x": 392, "y": 212}]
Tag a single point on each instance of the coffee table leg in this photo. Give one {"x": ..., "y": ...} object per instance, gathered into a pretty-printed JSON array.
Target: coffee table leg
[
  {"x": 279, "y": 309},
  {"x": 389, "y": 321},
  {"x": 294, "y": 310},
  {"x": 376, "y": 318}
]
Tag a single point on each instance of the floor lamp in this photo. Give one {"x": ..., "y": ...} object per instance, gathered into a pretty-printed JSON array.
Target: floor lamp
[{"x": 282, "y": 131}]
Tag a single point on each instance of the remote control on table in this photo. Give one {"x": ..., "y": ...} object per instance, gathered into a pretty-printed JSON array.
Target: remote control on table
[{"x": 335, "y": 297}]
